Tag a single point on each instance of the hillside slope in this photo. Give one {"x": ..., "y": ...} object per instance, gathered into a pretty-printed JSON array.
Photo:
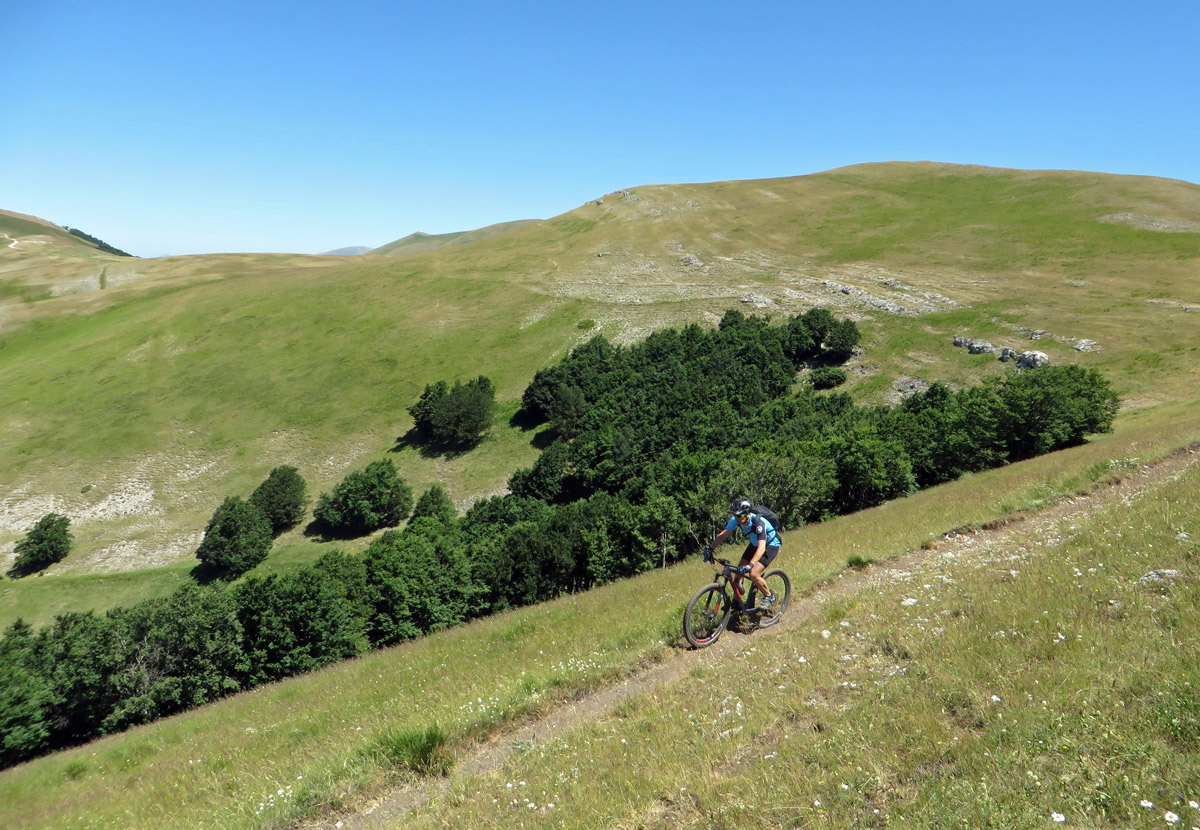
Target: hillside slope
[
  {"x": 419, "y": 242},
  {"x": 890, "y": 691},
  {"x": 143, "y": 392}
]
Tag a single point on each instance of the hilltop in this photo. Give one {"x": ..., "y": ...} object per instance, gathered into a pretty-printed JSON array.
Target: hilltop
[
  {"x": 420, "y": 242},
  {"x": 137, "y": 394}
]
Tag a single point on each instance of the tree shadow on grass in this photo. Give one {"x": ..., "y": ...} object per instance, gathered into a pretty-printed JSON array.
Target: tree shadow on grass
[
  {"x": 206, "y": 574},
  {"x": 413, "y": 440},
  {"x": 322, "y": 532},
  {"x": 524, "y": 421}
]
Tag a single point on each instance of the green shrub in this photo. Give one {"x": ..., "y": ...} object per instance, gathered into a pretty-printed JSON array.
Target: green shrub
[
  {"x": 366, "y": 500},
  {"x": 281, "y": 498},
  {"x": 827, "y": 377},
  {"x": 47, "y": 542},
  {"x": 237, "y": 538}
]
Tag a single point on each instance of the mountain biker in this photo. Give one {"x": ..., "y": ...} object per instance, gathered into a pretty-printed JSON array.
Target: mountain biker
[{"x": 763, "y": 547}]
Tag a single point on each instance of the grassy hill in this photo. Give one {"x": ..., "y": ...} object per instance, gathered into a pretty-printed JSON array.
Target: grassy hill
[
  {"x": 419, "y": 242},
  {"x": 137, "y": 397}
]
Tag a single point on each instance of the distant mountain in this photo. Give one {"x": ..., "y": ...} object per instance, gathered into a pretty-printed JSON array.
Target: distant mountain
[
  {"x": 354, "y": 250},
  {"x": 420, "y": 242}
]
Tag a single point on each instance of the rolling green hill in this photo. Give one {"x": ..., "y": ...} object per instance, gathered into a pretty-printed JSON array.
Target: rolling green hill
[
  {"x": 135, "y": 395},
  {"x": 419, "y": 242},
  {"x": 138, "y": 396}
]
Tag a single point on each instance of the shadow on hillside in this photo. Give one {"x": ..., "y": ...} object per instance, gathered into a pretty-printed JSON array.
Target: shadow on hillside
[
  {"x": 544, "y": 438},
  {"x": 412, "y": 440},
  {"x": 322, "y": 532},
  {"x": 524, "y": 421},
  {"x": 205, "y": 574}
]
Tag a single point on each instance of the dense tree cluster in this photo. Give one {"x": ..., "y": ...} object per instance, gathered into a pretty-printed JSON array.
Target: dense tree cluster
[
  {"x": 454, "y": 416},
  {"x": 652, "y": 440},
  {"x": 365, "y": 500},
  {"x": 99, "y": 243}
]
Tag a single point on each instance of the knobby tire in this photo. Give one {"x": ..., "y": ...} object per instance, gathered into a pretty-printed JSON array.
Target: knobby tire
[{"x": 706, "y": 616}]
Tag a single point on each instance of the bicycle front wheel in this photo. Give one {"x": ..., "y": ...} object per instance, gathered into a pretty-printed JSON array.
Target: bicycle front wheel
[
  {"x": 706, "y": 616},
  {"x": 781, "y": 589}
]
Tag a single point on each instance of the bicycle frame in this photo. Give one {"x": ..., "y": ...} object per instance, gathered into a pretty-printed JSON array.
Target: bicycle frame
[{"x": 729, "y": 577}]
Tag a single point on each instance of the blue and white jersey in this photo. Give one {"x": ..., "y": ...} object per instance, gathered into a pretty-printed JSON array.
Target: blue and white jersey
[{"x": 756, "y": 528}]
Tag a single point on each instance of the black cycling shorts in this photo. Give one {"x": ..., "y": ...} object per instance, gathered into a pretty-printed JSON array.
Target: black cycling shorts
[{"x": 769, "y": 554}]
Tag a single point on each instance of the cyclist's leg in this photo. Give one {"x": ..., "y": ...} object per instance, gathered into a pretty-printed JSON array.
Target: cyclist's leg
[{"x": 761, "y": 565}]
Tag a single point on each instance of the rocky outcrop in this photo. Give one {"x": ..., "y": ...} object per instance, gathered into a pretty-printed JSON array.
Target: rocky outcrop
[
  {"x": 1032, "y": 360},
  {"x": 1006, "y": 354}
]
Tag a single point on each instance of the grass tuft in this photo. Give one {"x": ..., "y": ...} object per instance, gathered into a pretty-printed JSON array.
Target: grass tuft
[{"x": 420, "y": 751}]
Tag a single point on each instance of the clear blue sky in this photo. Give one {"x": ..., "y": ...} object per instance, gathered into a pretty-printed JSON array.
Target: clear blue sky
[{"x": 173, "y": 128}]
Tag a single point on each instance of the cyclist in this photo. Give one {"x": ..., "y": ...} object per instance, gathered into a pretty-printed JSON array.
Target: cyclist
[{"x": 763, "y": 547}]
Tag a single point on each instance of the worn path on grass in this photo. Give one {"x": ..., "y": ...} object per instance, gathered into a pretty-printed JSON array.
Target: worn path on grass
[{"x": 956, "y": 546}]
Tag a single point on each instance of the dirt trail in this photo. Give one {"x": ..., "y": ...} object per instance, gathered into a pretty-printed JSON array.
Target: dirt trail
[{"x": 391, "y": 807}]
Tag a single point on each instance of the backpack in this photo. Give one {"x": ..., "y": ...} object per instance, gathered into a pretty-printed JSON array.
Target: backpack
[{"x": 768, "y": 514}]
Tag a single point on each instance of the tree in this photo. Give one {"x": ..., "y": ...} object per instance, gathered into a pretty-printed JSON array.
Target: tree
[
  {"x": 455, "y": 416},
  {"x": 819, "y": 322},
  {"x": 871, "y": 469},
  {"x": 177, "y": 652},
  {"x": 298, "y": 622},
  {"x": 843, "y": 336},
  {"x": 281, "y": 498},
  {"x": 237, "y": 538},
  {"x": 435, "y": 504},
  {"x": 566, "y": 410},
  {"x": 415, "y": 586},
  {"x": 1054, "y": 407},
  {"x": 47, "y": 542},
  {"x": 366, "y": 500}
]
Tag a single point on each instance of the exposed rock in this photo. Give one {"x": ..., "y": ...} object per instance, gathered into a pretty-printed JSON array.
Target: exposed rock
[
  {"x": 975, "y": 346},
  {"x": 867, "y": 298},
  {"x": 691, "y": 261},
  {"x": 1008, "y": 353},
  {"x": 758, "y": 301},
  {"x": 1087, "y": 346},
  {"x": 908, "y": 386},
  {"x": 1151, "y": 223},
  {"x": 1161, "y": 576},
  {"x": 1033, "y": 360}
]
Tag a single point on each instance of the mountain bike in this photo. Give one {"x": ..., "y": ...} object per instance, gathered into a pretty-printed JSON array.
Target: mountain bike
[{"x": 711, "y": 609}]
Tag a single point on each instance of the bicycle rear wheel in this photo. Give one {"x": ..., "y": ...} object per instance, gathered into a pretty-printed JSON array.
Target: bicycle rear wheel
[
  {"x": 706, "y": 616},
  {"x": 781, "y": 589}
]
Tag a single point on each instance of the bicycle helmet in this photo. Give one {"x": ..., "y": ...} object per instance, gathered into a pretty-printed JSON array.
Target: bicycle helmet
[{"x": 740, "y": 506}]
